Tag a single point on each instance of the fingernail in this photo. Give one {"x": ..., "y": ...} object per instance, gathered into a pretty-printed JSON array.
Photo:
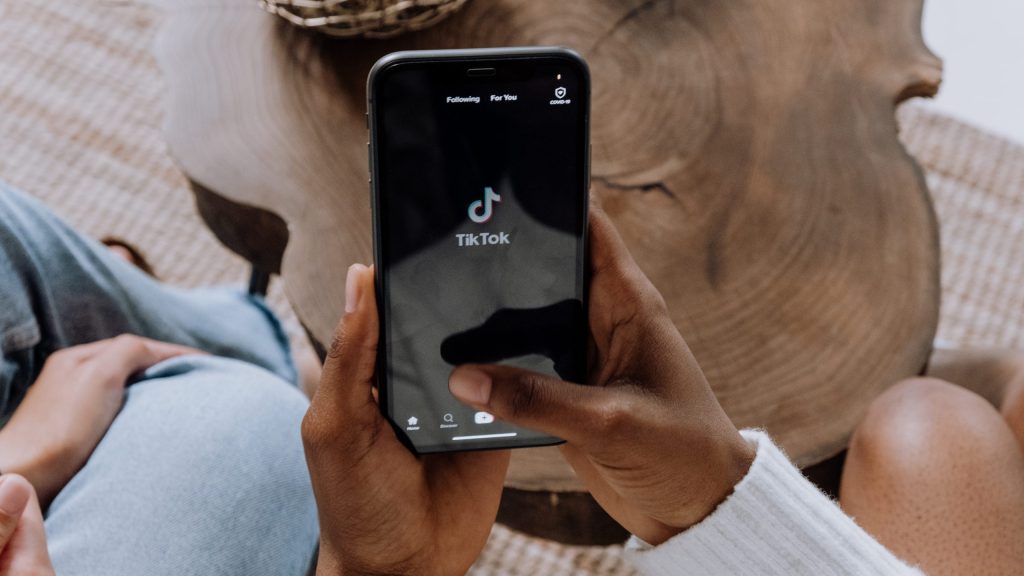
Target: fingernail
[
  {"x": 471, "y": 386},
  {"x": 352, "y": 287},
  {"x": 13, "y": 497}
]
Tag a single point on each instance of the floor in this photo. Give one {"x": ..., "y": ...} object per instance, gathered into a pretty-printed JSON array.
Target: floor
[{"x": 982, "y": 46}]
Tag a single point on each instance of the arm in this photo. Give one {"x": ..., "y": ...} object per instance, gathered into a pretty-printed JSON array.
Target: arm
[{"x": 774, "y": 523}]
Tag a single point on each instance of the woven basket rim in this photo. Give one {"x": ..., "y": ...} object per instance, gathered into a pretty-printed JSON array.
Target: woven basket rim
[{"x": 355, "y": 18}]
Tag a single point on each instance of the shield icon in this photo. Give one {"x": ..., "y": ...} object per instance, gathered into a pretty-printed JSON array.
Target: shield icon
[{"x": 560, "y": 92}]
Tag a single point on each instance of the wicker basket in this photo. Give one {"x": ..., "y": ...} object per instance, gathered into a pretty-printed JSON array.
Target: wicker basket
[{"x": 363, "y": 18}]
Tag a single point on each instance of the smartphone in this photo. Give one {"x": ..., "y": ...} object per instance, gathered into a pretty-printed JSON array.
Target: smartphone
[{"x": 479, "y": 164}]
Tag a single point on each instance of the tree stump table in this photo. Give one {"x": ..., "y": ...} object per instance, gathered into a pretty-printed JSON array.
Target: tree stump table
[{"x": 747, "y": 151}]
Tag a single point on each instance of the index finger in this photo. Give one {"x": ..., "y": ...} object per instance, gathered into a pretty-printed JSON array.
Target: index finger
[
  {"x": 128, "y": 354},
  {"x": 619, "y": 292},
  {"x": 608, "y": 252}
]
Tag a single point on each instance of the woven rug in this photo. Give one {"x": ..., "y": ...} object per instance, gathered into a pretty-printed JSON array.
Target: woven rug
[
  {"x": 977, "y": 183},
  {"x": 80, "y": 118}
]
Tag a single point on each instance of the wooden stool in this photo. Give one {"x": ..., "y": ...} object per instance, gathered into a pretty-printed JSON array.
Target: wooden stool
[{"x": 747, "y": 152}]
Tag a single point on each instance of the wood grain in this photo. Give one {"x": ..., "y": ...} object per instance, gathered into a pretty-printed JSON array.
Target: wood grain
[{"x": 746, "y": 150}]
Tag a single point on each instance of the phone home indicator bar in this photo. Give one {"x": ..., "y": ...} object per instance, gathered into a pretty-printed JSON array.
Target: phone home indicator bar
[{"x": 485, "y": 436}]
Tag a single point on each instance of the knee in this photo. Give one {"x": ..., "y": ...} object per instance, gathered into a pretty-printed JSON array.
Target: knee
[
  {"x": 228, "y": 419},
  {"x": 212, "y": 448},
  {"x": 249, "y": 409},
  {"x": 916, "y": 422}
]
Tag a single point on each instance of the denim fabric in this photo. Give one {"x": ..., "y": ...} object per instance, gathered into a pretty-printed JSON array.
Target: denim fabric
[
  {"x": 202, "y": 474},
  {"x": 59, "y": 289},
  {"x": 202, "y": 471}
]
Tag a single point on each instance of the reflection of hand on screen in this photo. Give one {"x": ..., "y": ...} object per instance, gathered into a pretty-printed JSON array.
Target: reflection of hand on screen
[{"x": 514, "y": 332}]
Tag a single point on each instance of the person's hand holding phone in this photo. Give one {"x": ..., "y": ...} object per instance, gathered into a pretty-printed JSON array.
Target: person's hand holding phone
[
  {"x": 69, "y": 407},
  {"x": 646, "y": 434},
  {"x": 383, "y": 510}
]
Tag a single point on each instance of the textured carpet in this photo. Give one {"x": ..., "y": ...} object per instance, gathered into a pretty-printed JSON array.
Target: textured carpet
[
  {"x": 977, "y": 183},
  {"x": 80, "y": 116}
]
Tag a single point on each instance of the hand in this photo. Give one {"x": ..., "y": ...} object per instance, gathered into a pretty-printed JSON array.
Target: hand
[
  {"x": 384, "y": 510},
  {"x": 68, "y": 409},
  {"x": 22, "y": 539},
  {"x": 647, "y": 435}
]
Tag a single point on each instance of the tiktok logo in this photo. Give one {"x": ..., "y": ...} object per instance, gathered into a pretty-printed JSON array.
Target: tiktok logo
[{"x": 482, "y": 210}]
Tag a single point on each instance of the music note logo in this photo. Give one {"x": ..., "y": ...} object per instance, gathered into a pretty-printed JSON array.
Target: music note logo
[{"x": 482, "y": 210}]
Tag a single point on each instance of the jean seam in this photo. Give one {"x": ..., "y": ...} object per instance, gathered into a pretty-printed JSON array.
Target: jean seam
[{"x": 281, "y": 335}]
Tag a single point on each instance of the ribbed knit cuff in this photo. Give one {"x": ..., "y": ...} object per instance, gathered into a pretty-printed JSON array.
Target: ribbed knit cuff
[{"x": 775, "y": 522}]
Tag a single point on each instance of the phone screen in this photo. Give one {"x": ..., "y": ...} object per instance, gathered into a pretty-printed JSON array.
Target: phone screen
[{"x": 480, "y": 201}]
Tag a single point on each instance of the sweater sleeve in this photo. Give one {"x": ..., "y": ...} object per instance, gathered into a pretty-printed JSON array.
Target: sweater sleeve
[{"x": 776, "y": 522}]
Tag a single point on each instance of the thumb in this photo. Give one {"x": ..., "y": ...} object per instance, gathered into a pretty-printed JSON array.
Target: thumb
[
  {"x": 25, "y": 550},
  {"x": 15, "y": 493},
  {"x": 349, "y": 373},
  {"x": 531, "y": 400}
]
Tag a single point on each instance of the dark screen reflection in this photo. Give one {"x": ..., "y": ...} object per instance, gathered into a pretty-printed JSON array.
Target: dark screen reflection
[{"x": 514, "y": 333}]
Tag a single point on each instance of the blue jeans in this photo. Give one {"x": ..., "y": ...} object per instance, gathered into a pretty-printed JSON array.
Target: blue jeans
[{"x": 202, "y": 471}]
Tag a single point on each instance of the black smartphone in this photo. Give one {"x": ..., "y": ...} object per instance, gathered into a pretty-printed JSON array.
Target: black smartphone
[{"x": 479, "y": 164}]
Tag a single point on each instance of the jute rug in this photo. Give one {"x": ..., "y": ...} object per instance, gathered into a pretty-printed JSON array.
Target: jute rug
[{"x": 80, "y": 118}]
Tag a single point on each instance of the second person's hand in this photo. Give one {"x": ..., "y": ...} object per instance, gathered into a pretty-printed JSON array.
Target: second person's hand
[
  {"x": 68, "y": 409},
  {"x": 646, "y": 434}
]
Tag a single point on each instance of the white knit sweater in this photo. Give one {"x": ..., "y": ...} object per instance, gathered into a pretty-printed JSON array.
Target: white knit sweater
[{"x": 775, "y": 523}]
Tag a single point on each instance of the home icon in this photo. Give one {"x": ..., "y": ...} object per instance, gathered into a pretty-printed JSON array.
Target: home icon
[{"x": 413, "y": 421}]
